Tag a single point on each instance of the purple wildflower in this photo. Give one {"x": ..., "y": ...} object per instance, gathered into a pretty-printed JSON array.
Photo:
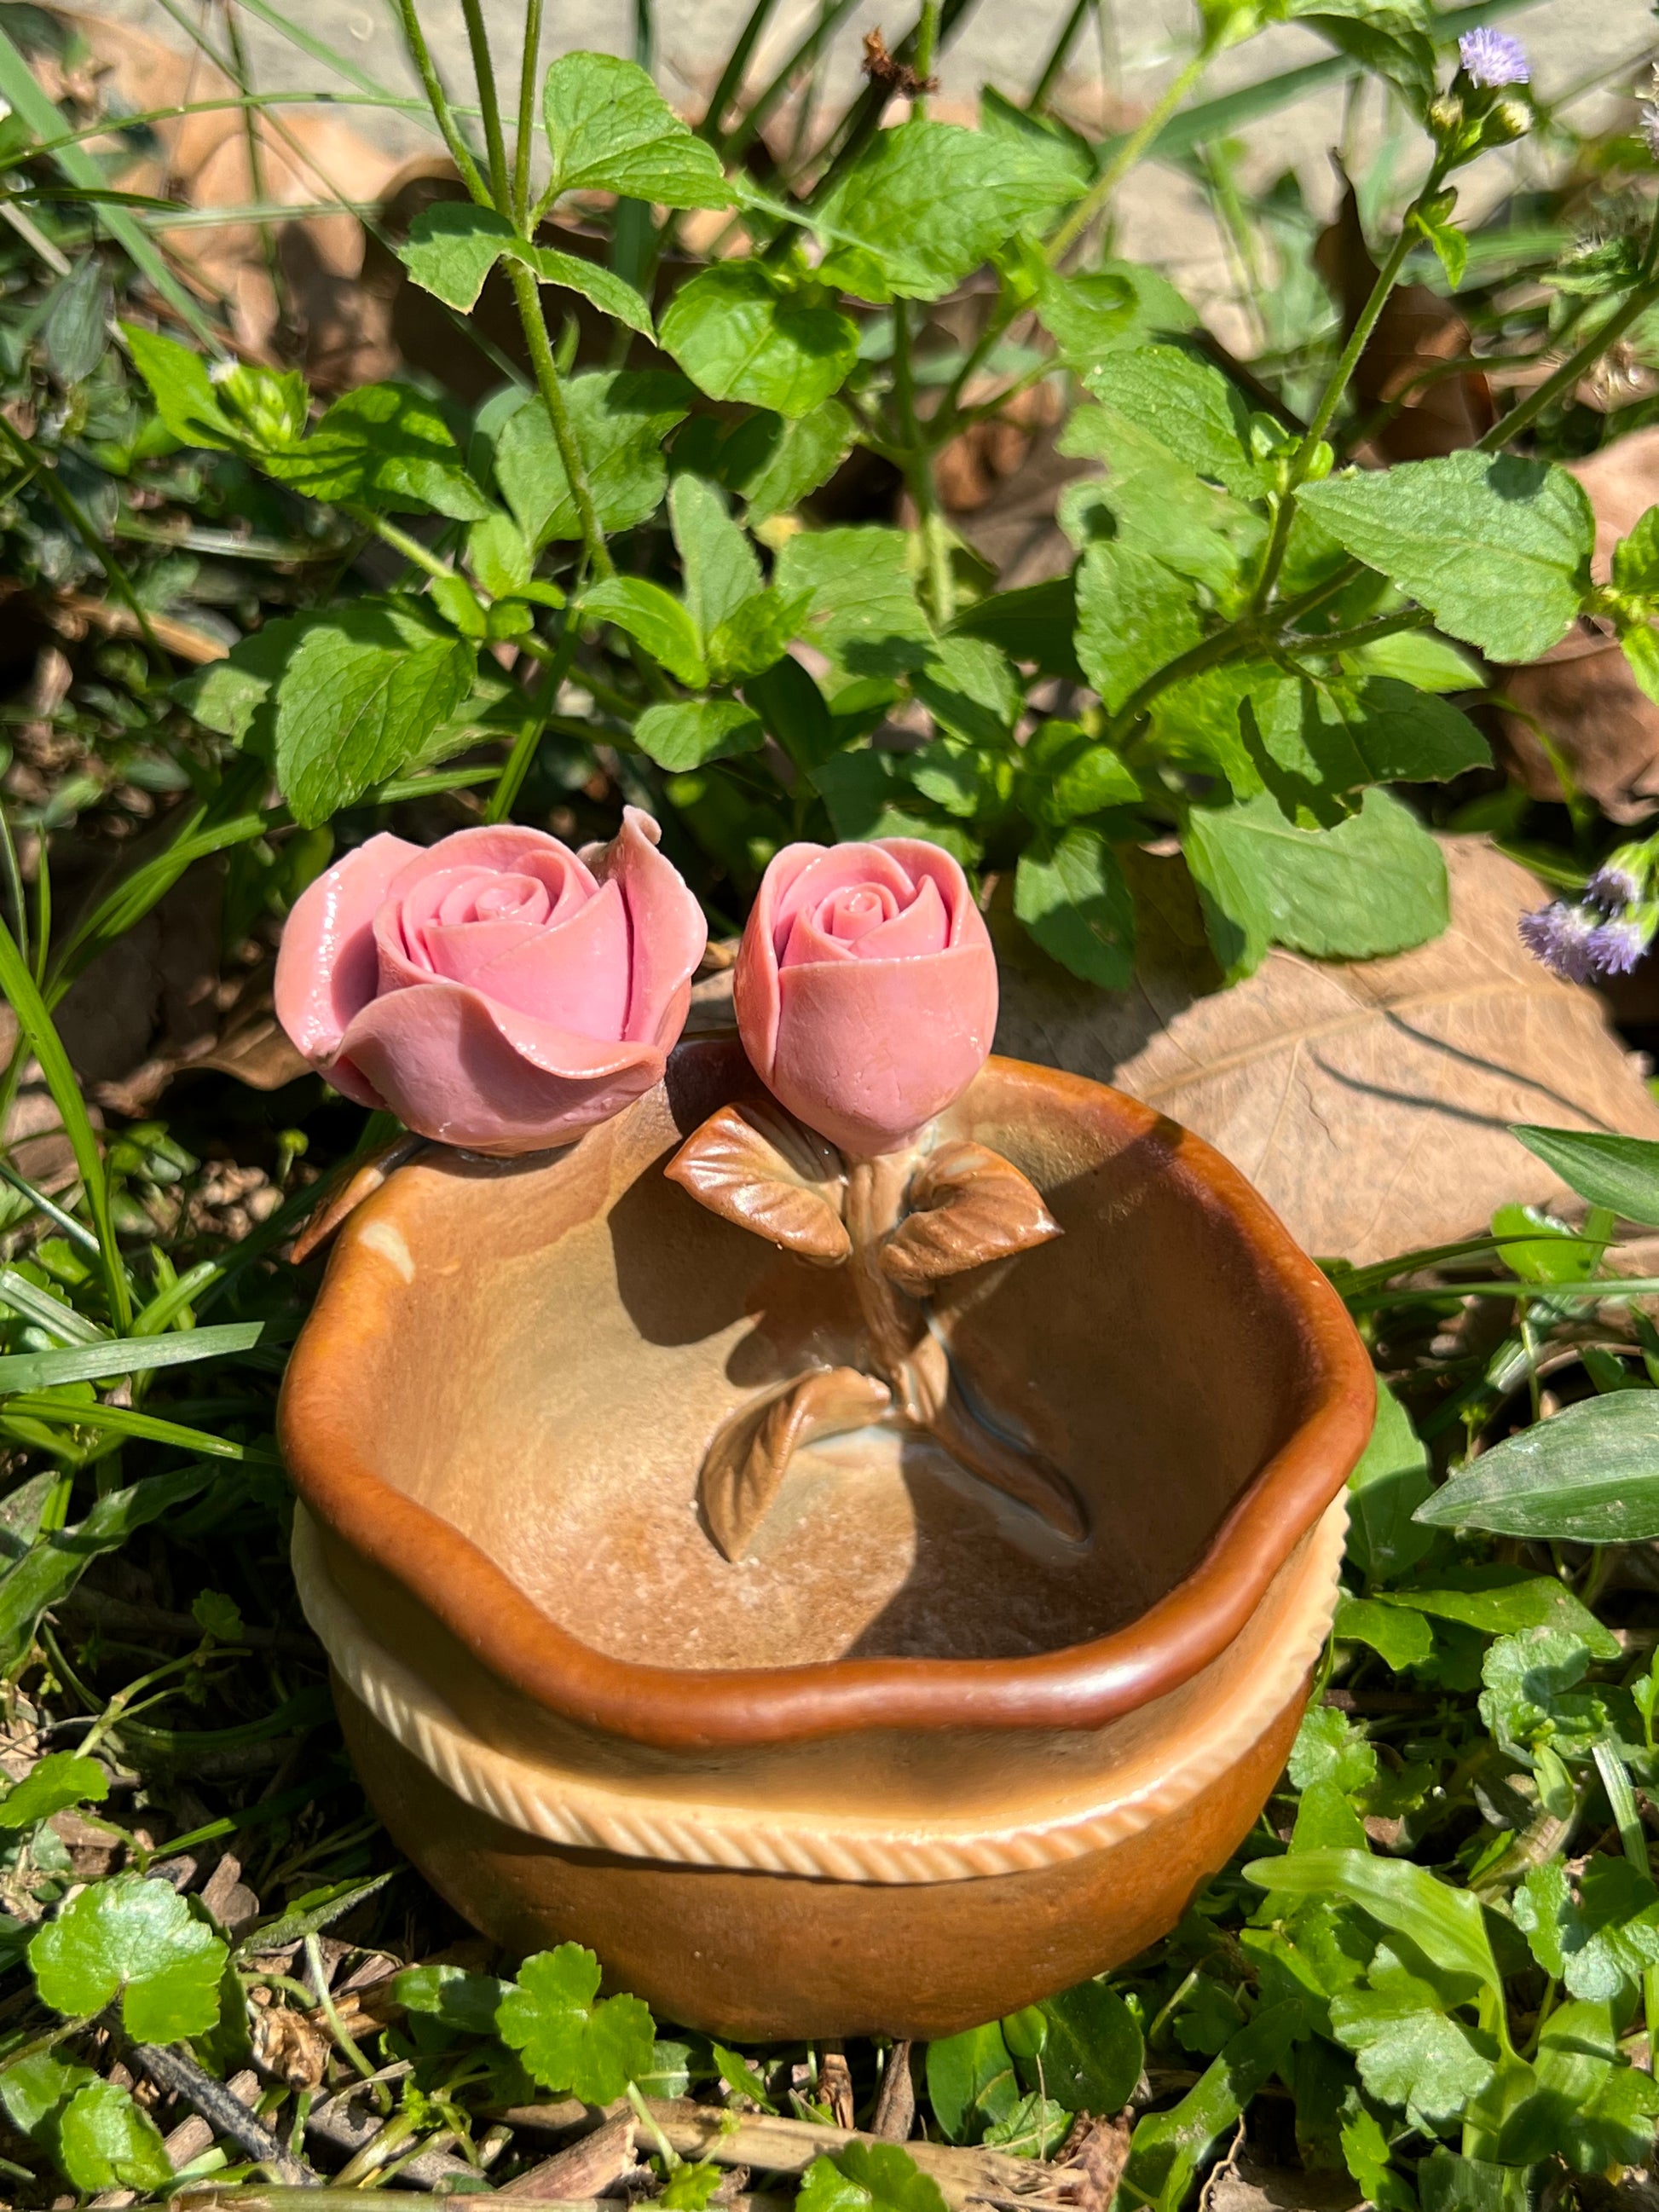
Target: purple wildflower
[
  {"x": 1492, "y": 58},
  {"x": 1559, "y": 935},
  {"x": 1614, "y": 886},
  {"x": 1616, "y": 946}
]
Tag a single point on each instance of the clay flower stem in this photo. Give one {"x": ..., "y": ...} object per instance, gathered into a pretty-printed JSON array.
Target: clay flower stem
[{"x": 910, "y": 1358}]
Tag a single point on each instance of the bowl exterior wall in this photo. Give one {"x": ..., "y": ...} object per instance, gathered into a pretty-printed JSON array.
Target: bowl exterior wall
[{"x": 744, "y": 1954}]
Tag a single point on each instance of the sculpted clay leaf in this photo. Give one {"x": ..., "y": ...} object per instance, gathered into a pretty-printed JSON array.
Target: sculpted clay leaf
[
  {"x": 573, "y": 2040},
  {"x": 970, "y": 1206},
  {"x": 760, "y": 1168},
  {"x": 139, "y": 1938},
  {"x": 1498, "y": 549},
  {"x": 610, "y": 130},
  {"x": 739, "y": 333},
  {"x": 743, "y": 1468}
]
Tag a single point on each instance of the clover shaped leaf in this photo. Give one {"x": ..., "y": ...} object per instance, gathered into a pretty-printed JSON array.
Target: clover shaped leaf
[
  {"x": 570, "y": 2038},
  {"x": 138, "y": 1938}
]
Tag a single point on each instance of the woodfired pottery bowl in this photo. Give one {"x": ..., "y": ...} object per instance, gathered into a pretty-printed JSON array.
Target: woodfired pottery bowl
[{"x": 920, "y": 1761}]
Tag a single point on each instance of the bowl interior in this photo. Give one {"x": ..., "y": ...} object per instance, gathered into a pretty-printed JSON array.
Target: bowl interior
[{"x": 557, "y": 1341}]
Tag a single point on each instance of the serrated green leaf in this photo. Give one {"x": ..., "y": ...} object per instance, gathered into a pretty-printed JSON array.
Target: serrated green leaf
[
  {"x": 689, "y": 2187},
  {"x": 1035, "y": 2129},
  {"x": 654, "y": 619},
  {"x": 869, "y": 2178},
  {"x": 1591, "y": 2106},
  {"x": 1590, "y": 1475},
  {"x": 619, "y": 419},
  {"x": 105, "y": 2142},
  {"x": 1135, "y": 616},
  {"x": 773, "y": 461},
  {"x": 741, "y": 332},
  {"x": 611, "y": 293},
  {"x": 138, "y": 1937},
  {"x": 1639, "y": 643},
  {"x": 573, "y": 2040},
  {"x": 795, "y": 711},
  {"x": 461, "y": 2000},
  {"x": 610, "y": 130},
  {"x": 452, "y": 247},
  {"x": 1410, "y": 2054},
  {"x": 927, "y": 202},
  {"x": 862, "y": 608},
  {"x": 1635, "y": 558},
  {"x": 1066, "y": 773},
  {"x": 869, "y": 794},
  {"x": 62, "y": 1778},
  {"x": 970, "y": 690},
  {"x": 361, "y": 692},
  {"x": 384, "y": 445},
  {"x": 1503, "y": 1600},
  {"x": 683, "y": 733},
  {"x": 179, "y": 383},
  {"x": 1395, "y": 37},
  {"x": 1072, "y": 894},
  {"x": 35, "y": 2089},
  {"x": 1185, "y": 402},
  {"x": 1374, "y": 884},
  {"x": 1498, "y": 549},
  {"x": 1416, "y": 657},
  {"x": 1116, "y": 306},
  {"x": 755, "y": 635},
  {"x": 1599, "y": 1943},
  {"x": 720, "y": 568},
  {"x": 1329, "y": 1747}
]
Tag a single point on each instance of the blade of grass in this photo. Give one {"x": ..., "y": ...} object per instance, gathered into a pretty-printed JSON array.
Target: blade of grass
[
  {"x": 98, "y": 1363},
  {"x": 19, "y": 85},
  {"x": 18, "y": 986},
  {"x": 122, "y": 1421},
  {"x": 45, "y": 1311}
]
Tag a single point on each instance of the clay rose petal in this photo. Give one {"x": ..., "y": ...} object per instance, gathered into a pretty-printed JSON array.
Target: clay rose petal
[
  {"x": 574, "y": 976},
  {"x": 667, "y": 933},
  {"x": 457, "y": 1067},
  {"x": 326, "y": 967},
  {"x": 870, "y": 1050}
]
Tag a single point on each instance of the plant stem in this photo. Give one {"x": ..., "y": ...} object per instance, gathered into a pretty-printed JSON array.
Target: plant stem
[
  {"x": 548, "y": 384},
  {"x": 527, "y": 137},
  {"x": 1128, "y": 153},
  {"x": 484, "y": 70},
  {"x": 1510, "y": 426},
  {"x": 919, "y": 468},
  {"x": 926, "y": 47},
  {"x": 438, "y": 101},
  {"x": 510, "y": 782},
  {"x": 1056, "y": 62}
]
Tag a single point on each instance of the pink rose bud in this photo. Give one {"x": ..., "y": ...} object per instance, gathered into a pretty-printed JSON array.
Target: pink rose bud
[
  {"x": 494, "y": 989},
  {"x": 866, "y": 988}
]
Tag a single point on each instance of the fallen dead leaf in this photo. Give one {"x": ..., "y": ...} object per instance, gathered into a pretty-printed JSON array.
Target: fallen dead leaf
[
  {"x": 1368, "y": 1101},
  {"x": 1581, "y": 701},
  {"x": 1242, "y": 2185}
]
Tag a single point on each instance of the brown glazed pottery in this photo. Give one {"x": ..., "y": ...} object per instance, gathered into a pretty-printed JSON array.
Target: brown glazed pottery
[{"x": 918, "y": 1759}]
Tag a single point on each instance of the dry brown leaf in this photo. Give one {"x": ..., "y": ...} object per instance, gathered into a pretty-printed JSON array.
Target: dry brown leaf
[
  {"x": 1093, "y": 2159},
  {"x": 1243, "y": 2186},
  {"x": 744, "y": 1465},
  {"x": 288, "y": 2046},
  {"x": 969, "y": 1206},
  {"x": 1416, "y": 335},
  {"x": 1581, "y": 700},
  {"x": 756, "y": 1166},
  {"x": 593, "y": 2166},
  {"x": 1369, "y": 1102}
]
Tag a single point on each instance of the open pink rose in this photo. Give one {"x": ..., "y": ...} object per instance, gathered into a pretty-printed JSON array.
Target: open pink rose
[
  {"x": 866, "y": 988},
  {"x": 493, "y": 990}
]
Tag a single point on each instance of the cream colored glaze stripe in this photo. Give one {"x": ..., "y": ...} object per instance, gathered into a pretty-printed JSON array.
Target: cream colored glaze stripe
[{"x": 571, "y": 1810}]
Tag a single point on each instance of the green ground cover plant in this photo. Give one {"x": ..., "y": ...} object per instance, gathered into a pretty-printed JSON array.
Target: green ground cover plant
[{"x": 634, "y": 571}]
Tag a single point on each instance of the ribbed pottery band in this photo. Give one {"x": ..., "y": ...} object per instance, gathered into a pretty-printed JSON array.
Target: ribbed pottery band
[{"x": 540, "y": 1800}]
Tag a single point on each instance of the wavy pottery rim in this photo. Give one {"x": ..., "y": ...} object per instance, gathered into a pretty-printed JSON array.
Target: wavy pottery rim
[
  {"x": 1080, "y": 1686},
  {"x": 572, "y": 1809}
]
